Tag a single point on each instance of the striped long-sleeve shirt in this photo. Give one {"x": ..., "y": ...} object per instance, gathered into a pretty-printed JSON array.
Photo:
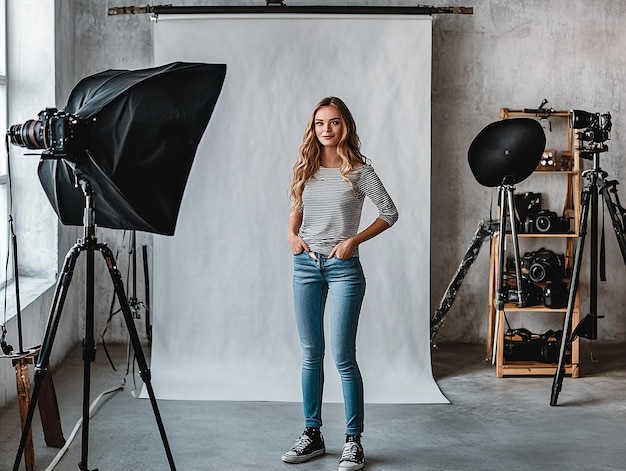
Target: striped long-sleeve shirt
[{"x": 331, "y": 210}]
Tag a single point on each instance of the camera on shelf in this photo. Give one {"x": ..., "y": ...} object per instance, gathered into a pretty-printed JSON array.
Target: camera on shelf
[
  {"x": 542, "y": 282},
  {"x": 544, "y": 265},
  {"x": 535, "y": 220},
  {"x": 546, "y": 221},
  {"x": 523, "y": 345},
  {"x": 532, "y": 294}
]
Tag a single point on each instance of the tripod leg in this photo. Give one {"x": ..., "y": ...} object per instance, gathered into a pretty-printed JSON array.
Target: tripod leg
[
  {"x": 89, "y": 355},
  {"x": 483, "y": 231},
  {"x": 518, "y": 267},
  {"x": 146, "y": 280},
  {"x": 618, "y": 217},
  {"x": 567, "y": 339},
  {"x": 500, "y": 296},
  {"x": 118, "y": 284},
  {"x": 41, "y": 366}
]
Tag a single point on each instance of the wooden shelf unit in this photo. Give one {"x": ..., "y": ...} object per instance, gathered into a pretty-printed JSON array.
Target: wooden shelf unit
[{"x": 496, "y": 319}]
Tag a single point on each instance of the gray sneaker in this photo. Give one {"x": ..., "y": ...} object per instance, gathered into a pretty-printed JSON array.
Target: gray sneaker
[
  {"x": 352, "y": 457},
  {"x": 304, "y": 449}
]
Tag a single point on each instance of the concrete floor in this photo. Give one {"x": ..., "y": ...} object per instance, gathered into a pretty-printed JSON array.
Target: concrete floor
[{"x": 491, "y": 424}]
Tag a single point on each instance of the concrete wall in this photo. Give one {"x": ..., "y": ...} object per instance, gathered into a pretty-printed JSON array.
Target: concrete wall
[
  {"x": 507, "y": 54},
  {"x": 514, "y": 54}
]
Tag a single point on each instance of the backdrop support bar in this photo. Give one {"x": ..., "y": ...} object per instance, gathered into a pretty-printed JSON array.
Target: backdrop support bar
[{"x": 273, "y": 9}]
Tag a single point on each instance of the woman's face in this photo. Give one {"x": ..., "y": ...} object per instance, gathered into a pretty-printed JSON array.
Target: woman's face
[{"x": 328, "y": 126}]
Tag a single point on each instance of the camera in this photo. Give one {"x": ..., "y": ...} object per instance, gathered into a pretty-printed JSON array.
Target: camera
[
  {"x": 553, "y": 295},
  {"x": 523, "y": 345},
  {"x": 532, "y": 294},
  {"x": 533, "y": 219},
  {"x": 544, "y": 265},
  {"x": 53, "y": 131},
  {"x": 549, "y": 222},
  {"x": 596, "y": 129},
  {"x": 526, "y": 206}
]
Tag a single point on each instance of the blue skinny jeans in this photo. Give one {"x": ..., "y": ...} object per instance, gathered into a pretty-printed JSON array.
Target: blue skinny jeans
[{"x": 343, "y": 282}]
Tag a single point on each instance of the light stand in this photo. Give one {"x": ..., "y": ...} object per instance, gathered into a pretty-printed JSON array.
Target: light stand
[
  {"x": 504, "y": 153},
  {"x": 124, "y": 143},
  {"x": 587, "y": 328},
  {"x": 507, "y": 206},
  {"x": 483, "y": 232},
  {"x": 90, "y": 245},
  {"x": 135, "y": 304},
  {"x": 5, "y": 347}
]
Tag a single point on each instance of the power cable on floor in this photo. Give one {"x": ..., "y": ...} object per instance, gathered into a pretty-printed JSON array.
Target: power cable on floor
[{"x": 78, "y": 425}]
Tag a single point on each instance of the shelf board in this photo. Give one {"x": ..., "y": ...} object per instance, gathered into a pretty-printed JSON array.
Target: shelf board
[
  {"x": 552, "y": 172},
  {"x": 539, "y": 114},
  {"x": 527, "y": 368},
  {"x": 543, "y": 235},
  {"x": 511, "y": 307}
]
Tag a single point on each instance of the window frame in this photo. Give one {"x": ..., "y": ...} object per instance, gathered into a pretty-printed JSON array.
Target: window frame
[{"x": 6, "y": 271}]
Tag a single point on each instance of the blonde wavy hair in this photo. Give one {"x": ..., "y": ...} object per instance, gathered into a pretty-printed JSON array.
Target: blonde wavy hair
[{"x": 310, "y": 153}]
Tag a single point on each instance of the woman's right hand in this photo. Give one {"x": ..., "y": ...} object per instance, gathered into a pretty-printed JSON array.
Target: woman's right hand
[{"x": 296, "y": 243}]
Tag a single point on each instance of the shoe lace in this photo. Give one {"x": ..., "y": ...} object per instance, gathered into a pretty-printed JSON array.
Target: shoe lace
[
  {"x": 301, "y": 444},
  {"x": 350, "y": 452}
]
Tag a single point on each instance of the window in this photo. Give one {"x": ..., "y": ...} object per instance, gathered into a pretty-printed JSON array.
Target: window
[
  {"x": 4, "y": 210},
  {"x": 28, "y": 83}
]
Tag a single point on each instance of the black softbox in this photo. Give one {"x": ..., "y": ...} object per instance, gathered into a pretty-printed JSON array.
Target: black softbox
[{"x": 135, "y": 141}]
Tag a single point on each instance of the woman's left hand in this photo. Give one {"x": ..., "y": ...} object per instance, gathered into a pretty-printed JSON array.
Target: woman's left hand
[{"x": 343, "y": 249}]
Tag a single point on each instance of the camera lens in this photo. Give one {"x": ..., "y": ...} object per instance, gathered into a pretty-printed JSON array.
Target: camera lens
[
  {"x": 29, "y": 135},
  {"x": 543, "y": 223},
  {"x": 555, "y": 294},
  {"x": 537, "y": 272},
  {"x": 581, "y": 119}
]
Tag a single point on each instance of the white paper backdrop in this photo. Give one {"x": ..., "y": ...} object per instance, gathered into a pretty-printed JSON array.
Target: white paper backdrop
[{"x": 222, "y": 309}]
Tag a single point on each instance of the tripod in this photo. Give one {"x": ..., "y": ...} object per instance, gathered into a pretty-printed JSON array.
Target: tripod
[
  {"x": 89, "y": 244},
  {"x": 507, "y": 206},
  {"x": 597, "y": 185}
]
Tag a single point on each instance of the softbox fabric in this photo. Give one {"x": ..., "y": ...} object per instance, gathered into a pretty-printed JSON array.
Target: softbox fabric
[{"x": 136, "y": 139}]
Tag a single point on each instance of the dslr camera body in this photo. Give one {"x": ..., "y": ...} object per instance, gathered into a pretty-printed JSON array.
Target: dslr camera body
[
  {"x": 542, "y": 280},
  {"x": 544, "y": 265},
  {"x": 535, "y": 220},
  {"x": 547, "y": 222}
]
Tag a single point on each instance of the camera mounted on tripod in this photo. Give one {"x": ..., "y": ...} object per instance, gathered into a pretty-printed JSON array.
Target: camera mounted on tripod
[
  {"x": 595, "y": 130},
  {"x": 54, "y": 131}
]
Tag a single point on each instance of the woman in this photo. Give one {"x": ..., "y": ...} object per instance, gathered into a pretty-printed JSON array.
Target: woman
[{"x": 331, "y": 179}]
